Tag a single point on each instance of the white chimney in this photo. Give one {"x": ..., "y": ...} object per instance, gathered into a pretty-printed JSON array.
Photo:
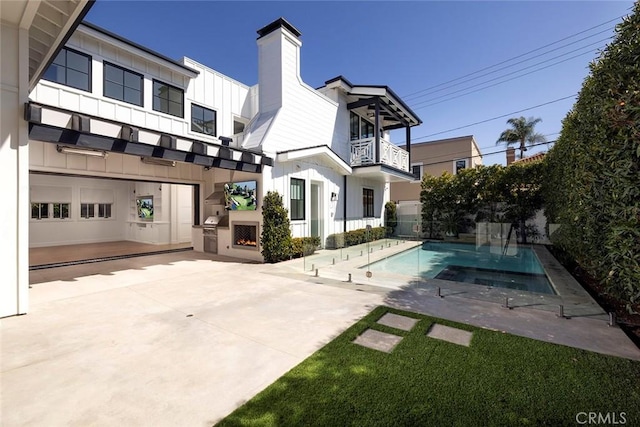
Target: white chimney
[{"x": 278, "y": 63}]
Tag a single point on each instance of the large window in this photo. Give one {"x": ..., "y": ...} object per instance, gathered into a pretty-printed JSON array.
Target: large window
[
  {"x": 39, "y": 210},
  {"x": 168, "y": 99},
  {"x": 359, "y": 128},
  {"x": 50, "y": 210},
  {"x": 70, "y": 68},
  {"x": 297, "y": 199},
  {"x": 203, "y": 120},
  {"x": 367, "y": 203},
  {"x": 123, "y": 85}
]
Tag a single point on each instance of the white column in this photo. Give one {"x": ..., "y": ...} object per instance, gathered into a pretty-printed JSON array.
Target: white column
[{"x": 14, "y": 170}]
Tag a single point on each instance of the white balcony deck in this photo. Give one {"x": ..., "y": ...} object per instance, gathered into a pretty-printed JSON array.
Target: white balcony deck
[{"x": 363, "y": 154}]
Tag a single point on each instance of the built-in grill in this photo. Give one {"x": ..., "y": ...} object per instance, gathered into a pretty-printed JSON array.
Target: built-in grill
[{"x": 210, "y": 232}]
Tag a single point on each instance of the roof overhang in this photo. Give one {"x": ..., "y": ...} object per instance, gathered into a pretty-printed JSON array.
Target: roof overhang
[
  {"x": 383, "y": 173},
  {"x": 49, "y": 23},
  {"x": 322, "y": 151},
  {"x": 363, "y": 98}
]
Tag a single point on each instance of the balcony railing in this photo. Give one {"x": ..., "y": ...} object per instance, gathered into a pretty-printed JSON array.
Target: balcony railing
[{"x": 363, "y": 153}]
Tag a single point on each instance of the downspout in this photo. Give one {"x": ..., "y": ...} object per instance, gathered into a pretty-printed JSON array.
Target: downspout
[{"x": 344, "y": 204}]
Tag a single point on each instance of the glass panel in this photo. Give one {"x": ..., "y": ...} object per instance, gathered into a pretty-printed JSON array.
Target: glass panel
[
  {"x": 83, "y": 210},
  {"x": 175, "y": 109},
  {"x": 132, "y": 96},
  {"x": 61, "y": 58},
  {"x": 65, "y": 210},
  {"x": 175, "y": 95},
  {"x": 55, "y": 73},
  {"x": 160, "y": 90},
  {"x": 133, "y": 81},
  {"x": 77, "y": 79},
  {"x": 57, "y": 211},
  {"x": 157, "y": 105},
  {"x": 44, "y": 210},
  {"x": 113, "y": 90},
  {"x": 77, "y": 62},
  {"x": 91, "y": 210},
  {"x": 35, "y": 210},
  {"x": 238, "y": 127},
  {"x": 196, "y": 112},
  {"x": 355, "y": 126},
  {"x": 113, "y": 74}
]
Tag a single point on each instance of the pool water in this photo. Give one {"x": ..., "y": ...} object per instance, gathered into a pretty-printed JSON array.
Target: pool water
[{"x": 460, "y": 262}]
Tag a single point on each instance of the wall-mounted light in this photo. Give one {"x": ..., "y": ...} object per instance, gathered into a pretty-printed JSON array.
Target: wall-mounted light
[
  {"x": 334, "y": 197},
  {"x": 81, "y": 151},
  {"x": 157, "y": 162}
]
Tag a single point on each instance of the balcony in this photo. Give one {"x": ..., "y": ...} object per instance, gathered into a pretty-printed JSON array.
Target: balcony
[{"x": 363, "y": 153}]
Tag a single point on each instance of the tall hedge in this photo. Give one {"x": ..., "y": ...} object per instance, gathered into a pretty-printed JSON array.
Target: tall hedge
[
  {"x": 593, "y": 171},
  {"x": 276, "y": 239}
]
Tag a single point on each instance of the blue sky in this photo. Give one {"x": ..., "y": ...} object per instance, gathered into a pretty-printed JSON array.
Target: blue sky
[{"x": 415, "y": 47}]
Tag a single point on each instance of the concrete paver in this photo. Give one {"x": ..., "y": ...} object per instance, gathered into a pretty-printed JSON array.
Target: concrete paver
[
  {"x": 449, "y": 334},
  {"x": 399, "y": 322},
  {"x": 377, "y": 340}
]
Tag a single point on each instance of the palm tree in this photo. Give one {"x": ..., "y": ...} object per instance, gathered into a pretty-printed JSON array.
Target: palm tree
[{"x": 523, "y": 132}]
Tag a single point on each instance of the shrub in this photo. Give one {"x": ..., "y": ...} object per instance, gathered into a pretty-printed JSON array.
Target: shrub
[
  {"x": 304, "y": 246},
  {"x": 593, "y": 171},
  {"x": 354, "y": 237},
  {"x": 275, "y": 239},
  {"x": 390, "y": 217}
]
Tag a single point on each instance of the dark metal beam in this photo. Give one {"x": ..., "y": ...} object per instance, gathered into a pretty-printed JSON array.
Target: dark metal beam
[{"x": 362, "y": 102}]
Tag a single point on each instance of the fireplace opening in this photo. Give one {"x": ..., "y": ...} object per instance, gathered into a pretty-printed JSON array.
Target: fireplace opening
[{"x": 245, "y": 235}]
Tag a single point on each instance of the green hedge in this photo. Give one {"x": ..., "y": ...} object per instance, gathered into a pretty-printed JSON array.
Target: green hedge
[
  {"x": 593, "y": 171},
  {"x": 354, "y": 237},
  {"x": 304, "y": 246}
]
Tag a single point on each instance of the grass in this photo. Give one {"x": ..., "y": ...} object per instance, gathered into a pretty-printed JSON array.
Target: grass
[{"x": 499, "y": 380}]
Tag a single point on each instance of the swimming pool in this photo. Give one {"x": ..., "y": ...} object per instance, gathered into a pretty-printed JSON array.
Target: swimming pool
[{"x": 460, "y": 262}]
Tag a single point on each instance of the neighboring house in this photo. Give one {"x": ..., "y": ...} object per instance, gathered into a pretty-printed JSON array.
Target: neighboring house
[
  {"x": 432, "y": 157},
  {"x": 113, "y": 126},
  {"x": 511, "y": 157}
]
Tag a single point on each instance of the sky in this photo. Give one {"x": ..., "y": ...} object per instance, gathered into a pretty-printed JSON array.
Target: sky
[{"x": 455, "y": 63}]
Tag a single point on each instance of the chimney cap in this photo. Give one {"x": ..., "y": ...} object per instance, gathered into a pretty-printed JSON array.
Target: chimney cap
[{"x": 278, "y": 23}]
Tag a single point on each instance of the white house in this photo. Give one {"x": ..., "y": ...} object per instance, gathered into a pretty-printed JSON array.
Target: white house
[{"x": 114, "y": 127}]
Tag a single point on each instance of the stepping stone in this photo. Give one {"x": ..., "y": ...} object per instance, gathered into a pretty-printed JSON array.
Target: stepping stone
[
  {"x": 378, "y": 340},
  {"x": 399, "y": 322},
  {"x": 453, "y": 335}
]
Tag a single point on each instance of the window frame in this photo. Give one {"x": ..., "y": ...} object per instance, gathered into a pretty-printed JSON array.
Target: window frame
[
  {"x": 66, "y": 67},
  {"x": 105, "y": 207},
  {"x": 368, "y": 202},
  {"x": 421, "y": 166},
  {"x": 168, "y": 100},
  {"x": 40, "y": 205},
  {"x": 91, "y": 210},
  {"x": 215, "y": 119},
  {"x": 455, "y": 165},
  {"x": 362, "y": 124},
  {"x": 124, "y": 70},
  {"x": 299, "y": 203}
]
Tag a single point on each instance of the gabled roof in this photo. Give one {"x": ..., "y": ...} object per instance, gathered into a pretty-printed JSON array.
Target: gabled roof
[{"x": 398, "y": 113}]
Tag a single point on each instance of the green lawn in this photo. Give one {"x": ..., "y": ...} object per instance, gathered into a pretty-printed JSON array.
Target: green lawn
[{"x": 500, "y": 379}]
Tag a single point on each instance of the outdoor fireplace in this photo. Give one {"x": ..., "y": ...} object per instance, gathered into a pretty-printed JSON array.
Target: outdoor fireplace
[{"x": 245, "y": 235}]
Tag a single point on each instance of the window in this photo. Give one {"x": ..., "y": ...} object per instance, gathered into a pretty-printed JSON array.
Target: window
[
  {"x": 123, "y": 85},
  {"x": 87, "y": 210},
  {"x": 359, "y": 128},
  {"x": 61, "y": 210},
  {"x": 203, "y": 120},
  {"x": 354, "y": 126},
  {"x": 70, "y": 68},
  {"x": 238, "y": 127},
  {"x": 104, "y": 210},
  {"x": 416, "y": 170},
  {"x": 168, "y": 99},
  {"x": 297, "y": 198},
  {"x": 39, "y": 210},
  {"x": 458, "y": 165},
  {"x": 367, "y": 203}
]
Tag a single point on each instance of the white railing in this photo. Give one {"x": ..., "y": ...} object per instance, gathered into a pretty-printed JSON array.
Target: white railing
[{"x": 363, "y": 153}]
